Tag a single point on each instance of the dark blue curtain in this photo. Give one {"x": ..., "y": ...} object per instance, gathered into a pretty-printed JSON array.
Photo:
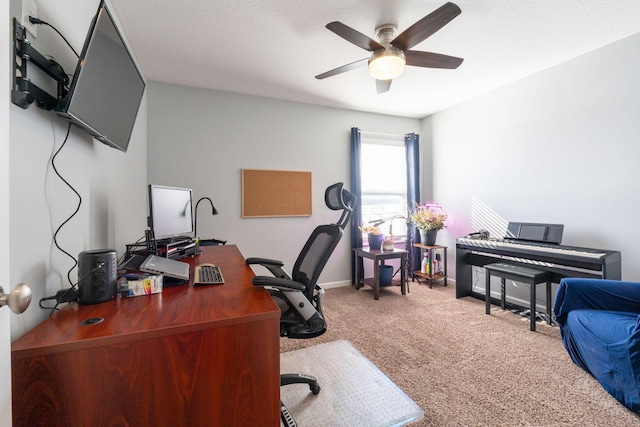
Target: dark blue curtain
[
  {"x": 412, "y": 145},
  {"x": 356, "y": 189}
]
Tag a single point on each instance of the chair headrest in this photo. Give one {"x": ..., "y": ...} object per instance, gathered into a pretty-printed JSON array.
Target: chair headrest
[{"x": 337, "y": 198}]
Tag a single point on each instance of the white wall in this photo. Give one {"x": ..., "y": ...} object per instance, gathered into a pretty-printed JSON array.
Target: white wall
[
  {"x": 201, "y": 139},
  {"x": 5, "y": 328},
  {"x": 112, "y": 184},
  {"x": 561, "y": 146}
]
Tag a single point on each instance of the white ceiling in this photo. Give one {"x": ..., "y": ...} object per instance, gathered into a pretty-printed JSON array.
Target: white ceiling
[{"x": 274, "y": 48}]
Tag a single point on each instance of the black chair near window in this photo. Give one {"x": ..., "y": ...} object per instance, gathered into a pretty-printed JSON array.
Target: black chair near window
[{"x": 298, "y": 295}]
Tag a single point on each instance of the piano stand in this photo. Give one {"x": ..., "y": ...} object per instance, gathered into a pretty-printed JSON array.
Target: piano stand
[
  {"x": 530, "y": 276},
  {"x": 540, "y": 317}
]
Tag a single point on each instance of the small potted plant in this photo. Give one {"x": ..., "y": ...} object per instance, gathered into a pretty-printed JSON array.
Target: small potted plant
[
  {"x": 387, "y": 243},
  {"x": 428, "y": 218},
  {"x": 374, "y": 235}
]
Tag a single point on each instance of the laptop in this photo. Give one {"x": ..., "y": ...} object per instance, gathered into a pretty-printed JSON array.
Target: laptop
[
  {"x": 169, "y": 267},
  {"x": 133, "y": 262}
]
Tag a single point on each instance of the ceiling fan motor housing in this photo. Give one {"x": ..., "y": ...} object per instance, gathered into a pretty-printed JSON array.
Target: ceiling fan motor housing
[
  {"x": 386, "y": 33},
  {"x": 387, "y": 63}
]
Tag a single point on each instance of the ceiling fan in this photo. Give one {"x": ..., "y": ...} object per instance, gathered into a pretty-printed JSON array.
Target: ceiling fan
[{"x": 391, "y": 52}]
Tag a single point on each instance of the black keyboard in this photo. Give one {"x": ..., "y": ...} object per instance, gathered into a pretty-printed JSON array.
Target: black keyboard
[{"x": 207, "y": 274}]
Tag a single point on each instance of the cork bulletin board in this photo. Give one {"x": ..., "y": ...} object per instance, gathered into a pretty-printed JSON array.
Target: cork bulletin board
[{"x": 269, "y": 193}]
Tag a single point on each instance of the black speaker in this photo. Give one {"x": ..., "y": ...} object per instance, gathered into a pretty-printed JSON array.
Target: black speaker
[{"x": 97, "y": 275}]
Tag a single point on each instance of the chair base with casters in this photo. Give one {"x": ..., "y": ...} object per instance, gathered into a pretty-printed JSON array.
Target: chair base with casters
[
  {"x": 297, "y": 294},
  {"x": 286, "y": 379}
]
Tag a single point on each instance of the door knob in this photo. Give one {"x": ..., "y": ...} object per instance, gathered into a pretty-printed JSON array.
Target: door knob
[{"x": 18, "y": 299}]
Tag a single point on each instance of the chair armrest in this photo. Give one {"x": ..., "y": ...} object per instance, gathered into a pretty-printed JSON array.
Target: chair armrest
[
  {"x": 264, "y": 262},
  {"x": 274, "y": 266},
  {"x": 278, "y": 283},
  {"x": 595, "y": 294}
]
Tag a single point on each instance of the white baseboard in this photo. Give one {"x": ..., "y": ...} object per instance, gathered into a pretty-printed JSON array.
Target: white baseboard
[
  {"x": 343, "y": 283},
  {"x": 335, "y": 284}
]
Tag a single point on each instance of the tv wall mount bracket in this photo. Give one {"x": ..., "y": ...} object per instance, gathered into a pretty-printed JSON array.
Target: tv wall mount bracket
[{"x": 24, "y": 92}]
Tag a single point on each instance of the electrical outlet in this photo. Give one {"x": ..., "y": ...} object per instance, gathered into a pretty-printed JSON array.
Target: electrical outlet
[{"x": 29, "y": 8}]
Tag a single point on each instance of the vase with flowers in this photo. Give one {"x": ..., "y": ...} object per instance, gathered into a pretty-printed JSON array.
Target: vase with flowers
[
  {"x": 387, "y": 243},
  {"x": 374, "y": 236},
  {"x": 428, "y": 218}
]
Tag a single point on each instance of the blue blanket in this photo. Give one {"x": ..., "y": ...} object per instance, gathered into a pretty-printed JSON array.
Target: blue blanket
[{"x": 599, "y": 326}]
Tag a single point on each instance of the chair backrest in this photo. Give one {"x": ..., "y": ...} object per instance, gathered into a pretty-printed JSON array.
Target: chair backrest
[{"x": 324, "y": 239}]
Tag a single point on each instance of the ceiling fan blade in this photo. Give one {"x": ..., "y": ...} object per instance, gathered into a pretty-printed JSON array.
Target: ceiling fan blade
[
  {"x": 343, "y": 69},
  {"x": 426, "y": 26},
  {"x": 383, "y": 86},
  {"x": 353, "y": 36},
  {"x": 432, "y": 60}
]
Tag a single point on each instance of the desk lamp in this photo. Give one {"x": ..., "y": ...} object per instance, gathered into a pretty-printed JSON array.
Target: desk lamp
[
  {"x": 207, "y": 242},
  {"x": 213, "y": 212}
]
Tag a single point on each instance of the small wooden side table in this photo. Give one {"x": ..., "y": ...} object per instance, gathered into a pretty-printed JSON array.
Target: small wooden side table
[
  {"x": 379, "y": 257},
  {"x": 432, "y": 276}
]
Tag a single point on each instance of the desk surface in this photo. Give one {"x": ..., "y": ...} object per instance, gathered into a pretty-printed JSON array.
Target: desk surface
[
  {"x": 211, "y": 351},
  {"x": 181, "y": 309}
]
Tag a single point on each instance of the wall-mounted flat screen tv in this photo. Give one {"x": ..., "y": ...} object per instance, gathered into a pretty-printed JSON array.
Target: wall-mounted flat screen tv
[{"x": 107, "y": 87}]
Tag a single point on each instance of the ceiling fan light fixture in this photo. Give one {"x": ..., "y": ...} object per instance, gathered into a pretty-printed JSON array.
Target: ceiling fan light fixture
[{"x": 386, "y": 64}]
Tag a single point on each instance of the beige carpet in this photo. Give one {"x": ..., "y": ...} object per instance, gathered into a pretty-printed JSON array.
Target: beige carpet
[
  {"x": 464, "y": 368},
  {"x": 353, "y": 391}
]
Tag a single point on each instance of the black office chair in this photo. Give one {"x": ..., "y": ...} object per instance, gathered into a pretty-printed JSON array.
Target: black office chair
[{"x": 299, "y": 296}]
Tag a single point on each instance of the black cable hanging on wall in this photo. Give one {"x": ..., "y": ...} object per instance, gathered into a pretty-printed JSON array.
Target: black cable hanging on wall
[{"x": 55, "y": 235}]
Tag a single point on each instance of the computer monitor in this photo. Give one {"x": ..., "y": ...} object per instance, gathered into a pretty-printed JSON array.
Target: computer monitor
[{"x": 171, "y": 212}]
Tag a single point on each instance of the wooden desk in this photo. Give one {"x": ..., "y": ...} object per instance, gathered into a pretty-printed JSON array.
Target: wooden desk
[
  {"x": 379, "y": 256},
  {"x": 206, "y": 356}
]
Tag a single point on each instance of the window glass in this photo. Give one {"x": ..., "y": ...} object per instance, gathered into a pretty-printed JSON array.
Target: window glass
[{"x": 384, "y": 183}]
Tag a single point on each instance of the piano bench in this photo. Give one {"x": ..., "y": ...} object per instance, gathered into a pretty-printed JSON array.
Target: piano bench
[{"x": 527, "y": 275}]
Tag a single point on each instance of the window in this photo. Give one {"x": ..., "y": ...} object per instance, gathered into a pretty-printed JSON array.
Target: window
[{"x": 383, "y": 168}]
